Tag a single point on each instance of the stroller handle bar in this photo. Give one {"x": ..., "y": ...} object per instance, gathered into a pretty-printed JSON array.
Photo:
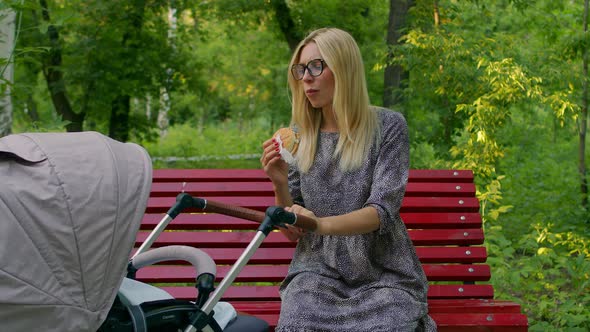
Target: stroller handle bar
[
  {"x": 203, "y": 264},
  {"x": 200, "y": 260},
  {"x": 283, "y": 217}
]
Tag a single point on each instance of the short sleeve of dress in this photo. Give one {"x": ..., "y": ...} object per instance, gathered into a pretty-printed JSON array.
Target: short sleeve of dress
[
  {"x": 391, "y": 170},
  {"x": 295, "y": 185}
]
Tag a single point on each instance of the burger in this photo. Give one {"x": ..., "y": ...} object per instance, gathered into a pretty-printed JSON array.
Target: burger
[{"x": 288, "y": 139}]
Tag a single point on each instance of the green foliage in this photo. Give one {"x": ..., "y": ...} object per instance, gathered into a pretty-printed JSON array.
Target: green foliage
[
  {"x": 563, "y": 104},
  {"x": 539, "y": 249},
  {"x": 53, "y": 125},
  {"x": 423, "y": 156},
  {"x": 547, "y": 272},
  {"x": 503, "y": 84},
  {"x": 491, "y": 197},
  {"x": 539, "y": 185},
  {"x": 445, "y": 62},
  {"x": 469, "y": 114},
  {"x": 225, "y": 146}
]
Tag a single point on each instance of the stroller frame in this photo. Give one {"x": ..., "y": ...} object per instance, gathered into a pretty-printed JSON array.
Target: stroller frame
[{"x": 274, "y": 217}]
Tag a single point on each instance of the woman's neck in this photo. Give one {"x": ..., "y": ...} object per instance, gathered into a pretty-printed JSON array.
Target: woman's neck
[{"x": 328, "y": 123}]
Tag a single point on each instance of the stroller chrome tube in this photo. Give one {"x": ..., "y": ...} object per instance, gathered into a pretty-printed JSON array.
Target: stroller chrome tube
[
  {"x": 230, "y": 277},
  {"x": 234, "y": 271},
  {"x": 153, "y": 235},
  {"x": 183, "y": 201}
]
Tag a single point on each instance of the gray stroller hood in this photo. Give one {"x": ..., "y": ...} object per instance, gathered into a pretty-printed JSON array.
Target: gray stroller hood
[{"x": 70, "y": 208}]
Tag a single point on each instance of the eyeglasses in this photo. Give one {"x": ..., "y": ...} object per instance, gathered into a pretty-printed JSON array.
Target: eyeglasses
[{"x": 315, "y": 68}]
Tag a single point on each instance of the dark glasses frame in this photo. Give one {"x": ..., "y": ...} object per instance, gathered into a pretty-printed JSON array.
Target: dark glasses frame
[{"x": 298, "y": 70}]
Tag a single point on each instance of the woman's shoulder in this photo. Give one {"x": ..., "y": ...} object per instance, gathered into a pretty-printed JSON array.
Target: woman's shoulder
[{"x": 389, "y": 118}]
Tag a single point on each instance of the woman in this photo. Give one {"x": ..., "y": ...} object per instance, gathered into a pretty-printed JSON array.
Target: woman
[{"x": 358, "y": 271}]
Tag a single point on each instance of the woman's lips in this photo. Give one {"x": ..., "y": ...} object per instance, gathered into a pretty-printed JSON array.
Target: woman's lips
[{"x": 310, "y": 92}]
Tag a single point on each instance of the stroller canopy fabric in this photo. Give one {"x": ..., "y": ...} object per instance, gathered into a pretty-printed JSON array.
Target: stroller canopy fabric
[{"x": 70, "y": 208}]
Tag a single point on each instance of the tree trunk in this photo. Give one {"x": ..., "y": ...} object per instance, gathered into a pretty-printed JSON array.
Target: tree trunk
[
  {"x": 163, "y": 121},
  {"x": 54, "y": 77},
  {"x": 449, "y": 118},
  {"x": 7, "y": 43},
  {"x": 121, "y": 105},
  {"x": 165, "y": 102},
  {"x": 584, "y": 117},
  {"x": 286, "y": 23},
  {"x": 395, "y": 75},
  {"x": 436, "y": 13},
  {"x": 31, "y": 108},
  {"x": 148, "y": 107},
  {"x": 119, "y": 125}
]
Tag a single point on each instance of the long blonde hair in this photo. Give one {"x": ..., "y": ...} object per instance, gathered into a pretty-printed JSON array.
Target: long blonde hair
[{"x": 357, "y": 123}]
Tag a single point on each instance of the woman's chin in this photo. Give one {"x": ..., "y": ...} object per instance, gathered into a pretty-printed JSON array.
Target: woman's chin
[{"x": 316, "y": 105}]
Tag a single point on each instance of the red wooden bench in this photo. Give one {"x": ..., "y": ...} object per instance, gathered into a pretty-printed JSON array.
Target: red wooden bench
[{"x": 440, "y": 210}]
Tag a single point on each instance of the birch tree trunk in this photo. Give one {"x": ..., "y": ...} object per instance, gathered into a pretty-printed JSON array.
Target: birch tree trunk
[
  {"x": 7, "y": 43},
  {"x": 163, "y": 121}
]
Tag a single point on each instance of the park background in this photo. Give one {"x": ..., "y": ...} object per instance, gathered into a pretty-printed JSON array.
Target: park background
[{"x": 498, "y": 86}]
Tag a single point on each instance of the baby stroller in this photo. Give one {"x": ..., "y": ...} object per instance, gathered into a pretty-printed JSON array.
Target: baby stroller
[{"x": 70, "y": 207}]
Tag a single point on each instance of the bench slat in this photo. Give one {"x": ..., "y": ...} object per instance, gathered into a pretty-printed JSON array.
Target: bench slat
[
  {"x": 474, "y": 306},
  {"x": 460, "y": 237},
  {"x": 217, "y": 175},
  {"x": 214, "y": 221},
  {"x": 480, "y": 322},
  {"x": 228, "y": 256},
  {"x": 276, "y": 273},
  {"x": 261, "y": 203},
  {"x": 171, "y": 189},
  {"x": 434, "y": 306},
  {"x": 237, "y": 175},
  {"x": 457, "y": 322},
  {"x": 271, "y": 293}
]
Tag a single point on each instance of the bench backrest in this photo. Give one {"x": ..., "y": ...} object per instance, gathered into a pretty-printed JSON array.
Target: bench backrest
[{"x": 440, "y": 211}]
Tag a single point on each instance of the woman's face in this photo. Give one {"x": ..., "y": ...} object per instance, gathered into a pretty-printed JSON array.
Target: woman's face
[{"x": 319, "y": 89}]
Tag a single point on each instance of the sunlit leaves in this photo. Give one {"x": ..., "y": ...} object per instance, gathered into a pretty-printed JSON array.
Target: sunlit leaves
[
  {"x": 503, "y": 84},
  {"x": 563, "y": 105},
  {"x": 541, "y": 272}
]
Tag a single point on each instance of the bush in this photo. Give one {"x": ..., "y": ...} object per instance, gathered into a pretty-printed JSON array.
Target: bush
[
  {"x": 223, "y": 146},
  {"x": 539, "y": 249},
  {"x": 547, "y": 272}
]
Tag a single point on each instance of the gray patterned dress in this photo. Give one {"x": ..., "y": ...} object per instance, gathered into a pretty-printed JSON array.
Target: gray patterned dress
[{"x": 371, "y": 282}]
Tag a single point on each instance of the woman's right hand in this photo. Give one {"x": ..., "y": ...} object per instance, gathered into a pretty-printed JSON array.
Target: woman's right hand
[{"x": 272, "y": 163}]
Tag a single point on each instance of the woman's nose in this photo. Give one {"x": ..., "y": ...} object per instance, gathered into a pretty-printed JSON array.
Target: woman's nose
[{"x": 307, "y": 76}]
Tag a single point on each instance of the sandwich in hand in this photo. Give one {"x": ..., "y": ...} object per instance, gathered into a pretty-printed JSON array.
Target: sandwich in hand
[{"x": 288, "y": 139}]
